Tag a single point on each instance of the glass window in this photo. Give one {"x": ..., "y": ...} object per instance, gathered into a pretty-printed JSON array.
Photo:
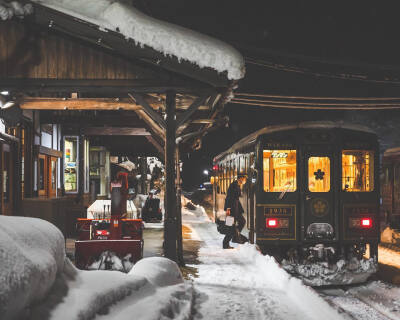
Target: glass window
[
  {"x": 70, "y": 164},
  {"x": 357, "y": 170},
  {"x": 319, "y": 174},
  {"x": 279, "y": 168},
  {"x": 53, "y": 174},
  {"x": 41, "y": 174}
]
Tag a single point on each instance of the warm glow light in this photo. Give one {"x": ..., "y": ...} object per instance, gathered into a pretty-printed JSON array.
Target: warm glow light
[
  {"x": 357, "y": 170},
  {"x": 272, "y": 223},
  {"x": 366, "y": 222},
  {"x": 279, "y": 168}
]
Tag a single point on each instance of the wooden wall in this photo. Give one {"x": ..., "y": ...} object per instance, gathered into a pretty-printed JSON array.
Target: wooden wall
[{"x": 28, "y": 52}]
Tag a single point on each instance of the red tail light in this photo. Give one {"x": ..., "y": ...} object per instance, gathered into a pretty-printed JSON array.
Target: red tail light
[
  {"x": 102, "y": 232},
  {"x": 272, "y": 223},
  {"x": 366, "y": 223}
]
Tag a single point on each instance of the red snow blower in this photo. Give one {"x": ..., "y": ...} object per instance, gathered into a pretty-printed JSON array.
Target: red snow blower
[{"x": 111, "y": 243}]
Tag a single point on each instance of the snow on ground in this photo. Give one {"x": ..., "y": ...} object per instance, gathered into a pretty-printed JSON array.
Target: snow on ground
[
  {"x": 31, "y": 255},
  {"x": 389, "y": 257},
  {"x": 115, "y": 295},
  {"x": 38, "y": 282},
  {"x": 342, "y": 272},
  {"x": 390, "y": 236},
  {"x": 372, "y": 301},
  {"x": 164, "y": 37},
  {"x": 243, "y": 284}
]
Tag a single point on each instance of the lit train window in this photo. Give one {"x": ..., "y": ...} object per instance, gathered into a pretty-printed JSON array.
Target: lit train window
[
  {"x": 279, "y": 168},
  {"x": 319, "y": 174},
  {"x": 357, "y": 170}
]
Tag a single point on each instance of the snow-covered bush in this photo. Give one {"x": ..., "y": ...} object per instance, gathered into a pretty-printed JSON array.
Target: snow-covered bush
[
  {"x": 32, "y": 253},
  {"x": 159, "y": 271}
]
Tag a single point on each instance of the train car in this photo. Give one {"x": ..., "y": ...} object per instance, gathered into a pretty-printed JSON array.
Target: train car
[
  {"x": 311, "y": 198},
  {"x": 390, "y": 185}
]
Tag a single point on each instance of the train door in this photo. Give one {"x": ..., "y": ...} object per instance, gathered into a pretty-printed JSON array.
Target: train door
[
  {"x": 318, "y": 195},
  {"x": 7, "y": 198}
]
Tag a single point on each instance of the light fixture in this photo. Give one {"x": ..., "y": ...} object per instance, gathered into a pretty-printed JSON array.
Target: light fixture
[
  {"x": 205, "y": 172},
  {"x": 5, "y": 93},
  {"x": 7, "y": 105}
]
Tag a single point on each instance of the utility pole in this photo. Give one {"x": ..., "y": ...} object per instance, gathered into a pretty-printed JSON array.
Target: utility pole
[{"x": 170, "y": 221}]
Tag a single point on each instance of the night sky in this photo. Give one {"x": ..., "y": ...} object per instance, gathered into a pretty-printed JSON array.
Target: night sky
[{"x": 347, "y": 32}]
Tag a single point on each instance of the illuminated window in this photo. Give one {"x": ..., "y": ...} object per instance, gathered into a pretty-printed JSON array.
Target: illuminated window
[
  {"x": 279, "y": 168},
  {"x": 357, "y": 170},
  {"x": 319, "y": 174},
  {"x": 71, "y": 164}
]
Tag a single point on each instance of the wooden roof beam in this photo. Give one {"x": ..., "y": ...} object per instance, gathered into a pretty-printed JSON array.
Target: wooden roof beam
[
  {"x": 139, "y": 99},
  {"x": 77, "y": 104},
  {"x": 192, "y": 109},
  {"x": 115, "y": 131}
]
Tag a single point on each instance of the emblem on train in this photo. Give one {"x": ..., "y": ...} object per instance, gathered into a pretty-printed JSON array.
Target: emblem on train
[
  {"x": 319, "y": 207},
  {"x": 319, "y": 175}
]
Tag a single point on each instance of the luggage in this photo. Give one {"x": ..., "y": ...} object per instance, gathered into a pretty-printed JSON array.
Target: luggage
[{"x": 222, "y": 227}]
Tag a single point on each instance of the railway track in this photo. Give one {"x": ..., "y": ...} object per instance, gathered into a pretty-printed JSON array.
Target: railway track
[{"x": 372, "y": 301}]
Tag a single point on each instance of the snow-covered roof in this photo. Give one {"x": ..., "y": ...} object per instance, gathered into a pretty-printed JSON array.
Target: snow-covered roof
[{"x": 164, "y": 37}]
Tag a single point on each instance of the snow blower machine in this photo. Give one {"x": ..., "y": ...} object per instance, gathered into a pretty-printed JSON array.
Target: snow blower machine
[{"x": 110, "y": 242}]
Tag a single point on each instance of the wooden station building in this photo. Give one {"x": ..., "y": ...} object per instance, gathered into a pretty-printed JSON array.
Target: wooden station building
[{"x": 71, "y": 87}]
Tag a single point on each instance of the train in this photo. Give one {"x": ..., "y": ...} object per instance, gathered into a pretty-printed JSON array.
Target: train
[
  {"x": 311, "y": 199},
  {"x": 390, "y": 185}
]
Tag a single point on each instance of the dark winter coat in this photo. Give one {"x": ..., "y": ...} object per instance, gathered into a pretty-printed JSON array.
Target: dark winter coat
[{"x": 232, "y": 199}]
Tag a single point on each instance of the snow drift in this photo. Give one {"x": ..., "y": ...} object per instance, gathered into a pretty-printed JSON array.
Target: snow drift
[
  {"x": 163, "y": 37},
  {"x": 32, "y": 253},
  {"x": 159, "y": 271},
  {"x": 38, "y": 282}
]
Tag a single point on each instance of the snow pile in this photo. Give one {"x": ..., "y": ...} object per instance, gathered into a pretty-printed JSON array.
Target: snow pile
[
  {"x": 271, "y": 273},
  {"x": 192, "y": 213},
  {"x": 321, "y": 273},
  {"x": 14, "y": 8},
  {"x": 241, "y": 283},
  {"x": 81, "y": 294},
  {"x": 32, "y": 253},
  {"x": 102, "y": 209},
  {"x": 84, "y": 295},
  {"x": 123, "y": 265},
  {"x": 159, "y": 271},
  {"x": 390, "y": 236},
  {"x": 164, "y": 37}
]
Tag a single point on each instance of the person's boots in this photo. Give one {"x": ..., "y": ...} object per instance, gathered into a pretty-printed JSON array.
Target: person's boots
[{"x": 225, "y": 245}]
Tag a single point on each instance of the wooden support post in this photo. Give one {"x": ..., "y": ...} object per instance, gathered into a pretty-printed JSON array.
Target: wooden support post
[
  {"x": 179, "y": 211},
  {"x": 143, "y": 175},
  {"x": 170, "y": 221}
]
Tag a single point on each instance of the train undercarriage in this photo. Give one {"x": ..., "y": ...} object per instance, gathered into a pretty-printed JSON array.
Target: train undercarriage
[{"x": 327, "y": 264}]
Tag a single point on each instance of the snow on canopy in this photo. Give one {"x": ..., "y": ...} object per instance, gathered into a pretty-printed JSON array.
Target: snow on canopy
[
  {"x": 32, "y": 253},
  {"x": 14, "y": 8},
  {"x": 164, "y": 37}
]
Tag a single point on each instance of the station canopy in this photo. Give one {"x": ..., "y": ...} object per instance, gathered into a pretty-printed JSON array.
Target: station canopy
[{"x": 91, "y": 57}]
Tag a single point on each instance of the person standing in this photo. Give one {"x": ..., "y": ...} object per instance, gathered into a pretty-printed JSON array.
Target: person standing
[{"x": 234, "y": 208}]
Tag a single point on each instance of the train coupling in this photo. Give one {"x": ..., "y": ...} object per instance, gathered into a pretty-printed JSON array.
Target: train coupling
[{"x": 320, "y": 253}]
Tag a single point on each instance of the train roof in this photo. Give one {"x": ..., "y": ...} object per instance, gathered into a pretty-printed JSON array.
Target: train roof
[{"x": 251, "y": 138}]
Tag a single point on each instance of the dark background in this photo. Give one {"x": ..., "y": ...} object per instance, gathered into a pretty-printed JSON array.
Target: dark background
[{"x": 291, "y": 33}]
